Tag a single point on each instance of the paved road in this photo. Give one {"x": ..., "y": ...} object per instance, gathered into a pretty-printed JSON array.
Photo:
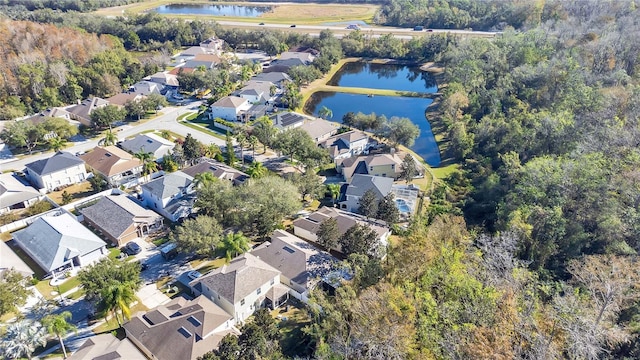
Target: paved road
[
  {"x": 165, "y": 121},
  {"x": 339, "y": 30}
]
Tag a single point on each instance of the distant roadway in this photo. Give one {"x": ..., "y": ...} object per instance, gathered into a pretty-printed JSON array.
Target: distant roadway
[{"x": 341, "y": 30}]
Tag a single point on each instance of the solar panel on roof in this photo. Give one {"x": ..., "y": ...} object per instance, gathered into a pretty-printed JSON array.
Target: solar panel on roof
[{"x": 288, "y": 249}]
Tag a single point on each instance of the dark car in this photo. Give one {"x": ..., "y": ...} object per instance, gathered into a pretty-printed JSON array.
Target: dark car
[
  {"x": 294, "y": 25},
  {"x": 261, "y": 24},
  {"x": 132, "y": 248}
]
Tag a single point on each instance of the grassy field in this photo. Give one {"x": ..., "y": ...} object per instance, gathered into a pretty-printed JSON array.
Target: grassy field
[
  {"x": 280, "y": 13},
  {"x": 77, "y": 191}
]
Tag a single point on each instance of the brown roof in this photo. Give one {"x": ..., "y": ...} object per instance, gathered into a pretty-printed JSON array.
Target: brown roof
[
  {"x": 242, "y": 276},
  {"x": 106, "y": 346},
  {"x": 230, "y": 102},
  {"x": 122, "y": 98},
  {"x": 181, "y": 329},
  {"x": 208, "y": 57},
  {"x": 350, "y": 165},
  {"x": 110, "y": 160},
  {"x": 181, "y": 69},
  {"x": 319, "y": 127}
]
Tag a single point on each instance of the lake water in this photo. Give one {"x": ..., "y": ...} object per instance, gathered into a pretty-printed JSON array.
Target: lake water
[
  {"x": 409, "y": 107},
  {"x": 214, "y": 10},
  {"x": 384, "y": 76}
]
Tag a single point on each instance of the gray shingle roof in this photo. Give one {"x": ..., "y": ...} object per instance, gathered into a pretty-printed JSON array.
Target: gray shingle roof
[
  {"x": 242, "y": 276},
  {"x": 274, "y": 77},
  {"x": 220, "y": 170},
  {"x": 295, "y": 258},
  {"x": 361, "y": 183},
  {"x": 180, "y": 329},
  {"x": 168, "y": 185},
  {"x": 115, "y": 213},
  {"x": 53, "y": 240},
  {"x": 148, "y": 143},
  {"x": 60, "y": 161},
  {"x": 13, "y": 191}
]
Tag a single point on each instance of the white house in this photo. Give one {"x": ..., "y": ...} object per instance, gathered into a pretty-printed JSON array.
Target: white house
[
  {"x": 381, "y": 186},
  {"x": 230, "y": 108},
  {"x": 59, "y": 243},
  {"x": 172, "y": 195},
  {"x": 61, "y": 169},
  {"x": 345, "y": 145},
  {"x": 240, "y": 287},
  {"x": 146, "y": 88},
  {"x": 16, "y": 195},
  {"x": 257, "y": 91}
]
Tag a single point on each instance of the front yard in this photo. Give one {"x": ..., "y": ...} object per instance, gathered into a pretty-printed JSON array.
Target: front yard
[{"x": 77, "y": 192}]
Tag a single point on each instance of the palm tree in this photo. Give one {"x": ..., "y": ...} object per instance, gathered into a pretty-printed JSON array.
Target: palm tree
[
  {"x": 117, "y": 298},
  {"x": 203, "y": 178},
  {"x": 57, "y": 325},
  {"x": 22, "y": 338},
  {"x": 334, "y": 189},
  {"x": 110, "y": 138},
  {"x": 325, "y": 113},
  {"x": 253, "y": 141},
  {"x": 256, "y": 170},
  {"x": 148, "y": 164},
  {"x": 212, "y": 150},
  {"x": 241, "y": 138},
  {"x": 234, "y": 244},
  {"x": 57, "y": 143}
]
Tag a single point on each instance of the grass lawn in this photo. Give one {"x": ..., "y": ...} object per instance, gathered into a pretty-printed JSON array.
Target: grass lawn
[
  {"x": 203, "y": 129},
  {"x": 114, "y": 252},
  {"x": 291, "y": 329},
  {"x": 444, "y": 171},
  {"x": 46, "y": 289},
  {"x": 77, "y": 191},
  {"x": 205, "y": 267},
  {"x": 160, "y": 241}
]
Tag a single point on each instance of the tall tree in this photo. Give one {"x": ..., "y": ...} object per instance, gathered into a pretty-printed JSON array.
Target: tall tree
[
  {"x": 359, "y": 239},
  {"x": 234, "y": 244},
  {"x": 241, "y": 139},
  {"x": 387, "y": 209},
  {"x": 325, "y": 113},
  {"x": 231, "y": 153},
  {"x": 200, "y": 235},
  {"x": 105, "y": 273},
  {"x": 253, "y": 142},
  {"x": 409, "y": 170},
  {"x": 204, "y": 178},
  {"x": 334, "y": 190},
  {"x": 256, "y": 170},
  {"x": 57, "y": 143},
  {"x": 401, "y": 131},
  {"x": 149, "y": 165},
  {"x": 58, "y": 326},
  {"x": 264, "y": 130},
  {"x": 109, "y": 138},
  {"x": 21, "y": 339},
  {"x": 104, "y": 117},
  {"x": 192, "y": 148},
  {"x": 328, "y": 234},
  {"x": 13, "y": 291},
  {"x": 116, "y": 298},
  {"x": 368, "y": 204}
]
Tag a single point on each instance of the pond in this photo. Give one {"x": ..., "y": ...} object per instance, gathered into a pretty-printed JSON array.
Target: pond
[
  {"x": 384, "y": 76},
  {"x": 214, "y": 10},
  {"x": 409, "y": 107}
]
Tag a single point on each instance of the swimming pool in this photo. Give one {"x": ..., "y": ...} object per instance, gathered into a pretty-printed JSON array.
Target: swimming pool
[{"x": 403, "y": 206}]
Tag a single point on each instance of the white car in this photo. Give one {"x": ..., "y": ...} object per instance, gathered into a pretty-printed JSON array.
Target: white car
[{"x": 193, "y": 274}]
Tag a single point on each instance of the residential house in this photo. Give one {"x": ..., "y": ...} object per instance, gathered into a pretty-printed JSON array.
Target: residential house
[
  {"x": 120, "y": 219},
  {"x": 14, "y": 194},
  {"x": 220, "y": 170},
  {"x": 11, "y": 261},
  {"x": 386, "y": 165},
  {"x": 107, "y": 346},
  {"x": 257, "y": 91},
  {"x": 301, "y": 265},
  {"x": 319, "y": 129},
  {"x": 180, "y": 329},
  {"x": 146, "y": 88},
  {"x": 59, "y": 243},
  {"x": 305, "y": 57},
  {"x": 120, "y": 100},
  {"x": 172, "y": 195},
  {"x": 116, "y": 165},
  {"x": 240, "y": 287},
  {"x": 347, "y": 144},
  {"x": 230, "y": 108},
  {"x": 213, "y": 43},
  {"x": 351, "y": 193},
  {"x": 82, "y": 111},
  {"x": 61, "y": 169},
  {"x": 284, "y": 65},
  {"x": 276, "y": 77},
  {"x": 287, "y": 120},
  {"x": 164, "y": 78},
  {"x": 150, "y": 143},
  {"x": 55, "y": 112},
  {"x": 307, "y": 227}
]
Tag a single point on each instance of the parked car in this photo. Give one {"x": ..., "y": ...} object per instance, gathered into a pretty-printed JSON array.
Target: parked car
[
  {"x": 193, "y": 274},
  {"x": 261, "y": 24},
  {"x": 294, "y": 25},
  {"x": 132, "y": 248}
]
